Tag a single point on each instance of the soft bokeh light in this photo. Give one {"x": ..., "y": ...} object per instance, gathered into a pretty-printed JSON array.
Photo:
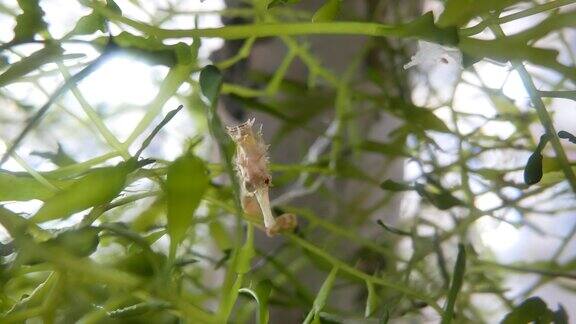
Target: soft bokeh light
[{"x": 122, "y": 79}]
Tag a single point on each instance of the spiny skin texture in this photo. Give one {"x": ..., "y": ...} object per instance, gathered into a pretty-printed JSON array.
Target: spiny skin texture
[
  {"x": 251, "y": 156},
  {"x": 251, "y": 162}
]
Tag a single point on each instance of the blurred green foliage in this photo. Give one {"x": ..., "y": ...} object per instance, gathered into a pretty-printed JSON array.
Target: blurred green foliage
[{"x": 110, "y": 265}]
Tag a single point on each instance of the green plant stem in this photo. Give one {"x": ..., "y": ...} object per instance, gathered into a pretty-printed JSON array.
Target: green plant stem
[
  {"x": 267, "y": 30},
  {"x": 558, "y": 94},
  {"x": 543, "y": 272},
  {"x": 34, "y": 80},
  {"x": 456, "y": 285},
  {"x": 94, "y": 118},
  {"x": 281, "y": 70},
  {"x": 258, "y": 30},
  {"x": 172, "y": 82},
  {"x": 242, "y": 54},
  {"x": 343, "y": 232},
  {"x": 37, "y": 117},
  {"x": 235, "y": 276},
  {"x": 86, "y": 268},
  {"x": 311, "y": 62},
  {"x": 543, "y": 115},
  {"x": 75, "y": 169},
  {"x": 35, "y": 174},
  {"x": 518, "y": 15},
  {"x": 37, "y": 296},
  {"x": 361, "y": 275}
]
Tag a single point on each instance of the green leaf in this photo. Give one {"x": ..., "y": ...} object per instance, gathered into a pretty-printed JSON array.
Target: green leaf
[
  {"x": 393, "y": 230},
  {"x": 424, "y": 28},
  {"x": 425, "y": 119},
  {"x": 417, "y": 118},
  {"x": 14, "y": 224},
  {"x": 90, "y": 24},
  {"x": 391, "y": 185},
  {"x": 30, "y": 63},
  {"x": 531, "y": 310},
  {"x": 141, "y": 263},
  {"x": 154, "y": 236},
  {"x": 60, "y": 158},
  {"x": 533, "y": 169},
  {"x": 534, "y": 166},
  {"x": 499, "y": 50},
  {"x": 186, "y": 182},
  {"x": 456, "y": 285},
  {"x": 38, "y": 296},
  {"x": 97, "y": 187},
  {"x": 322, "y": 297},
  {"x": 94, "y": 21},
  {"x": 111, "y": 4},
  {"x": 503, "y": 104},
  {"x": 551, "y": 177},
  {"x": 210, "y": 82},
  {"x": 153, "y": 50},
  {"x": 459, "y": 12},
  {"x": 30, "y": 21},
  {"x": 80, "y": 242},
  {"x": 565, "y": 135},
  {"x": 437, "y": 196},
  {"x": 554, "y": 22},
  {"x": 261, "y": 294},
  {"x": 328, "y": 12},
  {"x": 14, "y": 187},
  {"x": 183, "y": 53}
]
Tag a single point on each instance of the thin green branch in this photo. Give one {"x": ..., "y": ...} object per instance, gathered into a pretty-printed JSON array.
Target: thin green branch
[
  {"x": 543, "y": 115},
  {"x": 524, "y": 269},
  {"x": 170, "y": 85},
  {"x": 258, "y": 30},
  {"x": 515, "y": 16},
  {"x": 37, "y": 117},
  {"x": 361, "y": 275},
  {"x": 567, "y": 94},
  {"x": 93, "y": 116},
  {"x": 35, "y": 174}
]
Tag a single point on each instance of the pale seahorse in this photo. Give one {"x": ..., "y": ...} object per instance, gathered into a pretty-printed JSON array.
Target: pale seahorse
[{"x": 251, "y": 161}]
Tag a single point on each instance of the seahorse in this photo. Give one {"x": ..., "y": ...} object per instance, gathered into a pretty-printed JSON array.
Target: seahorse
[{"x": 251, "y": 162}]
